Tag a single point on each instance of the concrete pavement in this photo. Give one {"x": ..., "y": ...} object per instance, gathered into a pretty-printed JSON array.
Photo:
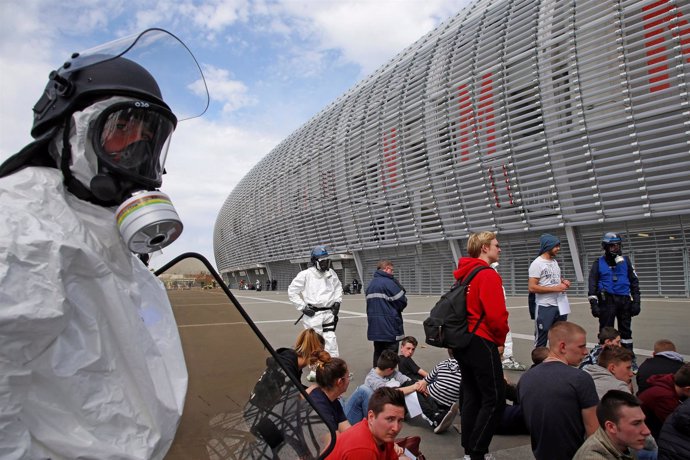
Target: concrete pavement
[{"x": 205, "y": 313}]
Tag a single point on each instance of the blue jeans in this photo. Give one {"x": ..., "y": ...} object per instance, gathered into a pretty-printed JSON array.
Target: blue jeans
[
  {"x": 357, "y": 405},
  {"x": 547, "y": 315}
]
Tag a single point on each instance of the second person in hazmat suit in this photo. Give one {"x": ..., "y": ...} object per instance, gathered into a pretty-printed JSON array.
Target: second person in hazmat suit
[
  {"x": 91, "y": 364},
  {"x": 317, "y": 293}
]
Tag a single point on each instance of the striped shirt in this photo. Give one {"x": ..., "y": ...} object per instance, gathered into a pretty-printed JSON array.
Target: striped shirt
[{"x": 444, "y": 382}]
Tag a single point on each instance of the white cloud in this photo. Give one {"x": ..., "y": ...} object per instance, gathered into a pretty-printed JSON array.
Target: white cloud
[
  {"x": 205, "y": 162},
  {"x": 233, "y": 94},
  {"x": 369, "y": 33},
  {"x": 281, "y": 52},
  {"x": 216, "y": 15}
]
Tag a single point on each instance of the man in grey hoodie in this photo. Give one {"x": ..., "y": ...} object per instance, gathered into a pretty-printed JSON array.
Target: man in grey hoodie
[{"x": 613, "y": 370}]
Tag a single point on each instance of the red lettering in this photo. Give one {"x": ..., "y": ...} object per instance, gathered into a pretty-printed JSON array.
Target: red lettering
[
  {"x": 485, "y": 114},
  {"x": 465, "y": 123},
  {"x": 470, "y": 122},
  {"x": 389, "y": 172},
  {"x": 654, "y": 24}
]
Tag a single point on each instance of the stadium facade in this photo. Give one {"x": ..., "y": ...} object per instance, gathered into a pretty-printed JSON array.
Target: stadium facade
[{"x": 517, "y": 116}]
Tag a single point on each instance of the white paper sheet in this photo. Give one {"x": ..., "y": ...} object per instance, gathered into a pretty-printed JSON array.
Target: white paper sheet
[
  {"x": 563, "y": 304},
  {"x": 412, "y": 403},
  {"x": 409, "y": 455}
]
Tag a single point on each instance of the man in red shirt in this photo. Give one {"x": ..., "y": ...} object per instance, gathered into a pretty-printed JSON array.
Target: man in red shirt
[
  {"x": 374, "y": 437},
  {"x": 480, "y": 363}
]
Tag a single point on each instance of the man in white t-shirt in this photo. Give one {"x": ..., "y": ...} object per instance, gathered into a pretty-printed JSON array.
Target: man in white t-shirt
[{"x": 546, "y": 283}]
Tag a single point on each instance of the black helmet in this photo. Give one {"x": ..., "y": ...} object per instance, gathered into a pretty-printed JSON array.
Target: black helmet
[{"x": 82, "y": 81}]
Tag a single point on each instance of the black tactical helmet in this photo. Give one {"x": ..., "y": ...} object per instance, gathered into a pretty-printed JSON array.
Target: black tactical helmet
[{"x": 83, "y": 80}]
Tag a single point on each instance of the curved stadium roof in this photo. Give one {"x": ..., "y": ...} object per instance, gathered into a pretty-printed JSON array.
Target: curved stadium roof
[{"x": 515, "y": 115}]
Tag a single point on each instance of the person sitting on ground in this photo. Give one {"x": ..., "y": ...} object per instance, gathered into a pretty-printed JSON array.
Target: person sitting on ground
[
  {"x": 664, "y": 360},
  {"x": 443, "y": 386},
  {"x": 621, "y": 431},
  {"x": 608, "y": 337},
  {"x": 664, "y": 394},
  {"x": 293, "y": 360},
  {"x": 332, "y": 379},
  {"x": 407, "y": 365},
  {"x": 674, "y": 440},
  {"x": 384, "y": 374},
  {"x": 373, "y": 437},
  {"x": 613, "y": 370},
  {"x": 539, "y": 354},
  {"x": 558, "y": 400}
]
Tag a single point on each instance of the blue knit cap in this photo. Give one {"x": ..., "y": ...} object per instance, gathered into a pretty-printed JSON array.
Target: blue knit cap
[{"x": 548, "y": 242}]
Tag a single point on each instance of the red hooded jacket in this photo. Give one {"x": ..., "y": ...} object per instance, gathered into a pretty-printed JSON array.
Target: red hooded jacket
[
  {"x": 660, "y": 398},
  {"x": 485, "y": 294}
]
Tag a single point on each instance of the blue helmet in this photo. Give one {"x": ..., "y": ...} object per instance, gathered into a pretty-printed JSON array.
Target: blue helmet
[
  {"x": 610, "y": 238},
  {"x": 319, "y": 252},
  {"x": 319, "y": 258}
]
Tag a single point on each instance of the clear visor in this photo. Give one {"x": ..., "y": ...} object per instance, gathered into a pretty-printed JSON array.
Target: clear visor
[
  {"x": 167, "y": 59},
  {"x": 132, "y": 138}
]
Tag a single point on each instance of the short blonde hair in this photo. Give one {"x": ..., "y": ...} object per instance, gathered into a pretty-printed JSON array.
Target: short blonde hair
[
  {"x": 477, "y": 240},
  {"x": 564, "y": 331}
]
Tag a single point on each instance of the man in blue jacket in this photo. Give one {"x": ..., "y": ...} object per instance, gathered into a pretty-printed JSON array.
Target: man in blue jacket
[{"x": 385, "y": 302}]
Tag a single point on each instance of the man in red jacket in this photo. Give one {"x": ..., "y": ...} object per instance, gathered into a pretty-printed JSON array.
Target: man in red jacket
[
  {"x": 663, "y": 395},
  {"x": 483, "y": 388}
]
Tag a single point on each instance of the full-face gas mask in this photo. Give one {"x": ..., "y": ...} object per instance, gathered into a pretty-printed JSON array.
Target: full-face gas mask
[
  {"x": 117, "y": 149},
  {"x": 108, "y": 128},
  {"x": 319, "y": 258},
  {"x": 611, "y": 243}
]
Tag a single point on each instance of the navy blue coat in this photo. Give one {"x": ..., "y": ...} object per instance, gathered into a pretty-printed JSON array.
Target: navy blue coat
[{"x": 385, "y": 302}]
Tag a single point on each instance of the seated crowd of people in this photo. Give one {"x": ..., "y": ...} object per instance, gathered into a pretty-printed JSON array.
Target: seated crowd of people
[{"x": 573, "y": 402}]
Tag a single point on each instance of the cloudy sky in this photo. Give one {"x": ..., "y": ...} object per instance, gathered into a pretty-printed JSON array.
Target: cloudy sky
[{"x": 270, "y": 66}]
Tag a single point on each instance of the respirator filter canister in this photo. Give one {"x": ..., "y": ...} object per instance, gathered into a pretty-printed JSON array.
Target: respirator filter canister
[{"x": 148, "y": 222}]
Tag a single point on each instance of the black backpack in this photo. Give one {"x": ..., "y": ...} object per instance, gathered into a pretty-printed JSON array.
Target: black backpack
[{"x": 446, "y": 326}]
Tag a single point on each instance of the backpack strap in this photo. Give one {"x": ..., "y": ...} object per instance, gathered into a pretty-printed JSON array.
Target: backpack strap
[{"x": 466, "y": 281}]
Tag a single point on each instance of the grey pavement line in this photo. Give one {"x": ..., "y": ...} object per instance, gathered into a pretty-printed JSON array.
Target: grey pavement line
[
  {"x": 639, "y": 351},
  {"x": 357, "y": 315}
]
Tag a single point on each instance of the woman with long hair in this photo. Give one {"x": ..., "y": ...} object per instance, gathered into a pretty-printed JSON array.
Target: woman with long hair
[
  {"x": 332, "y": 380},
  {"x": 297, "y": 358}
]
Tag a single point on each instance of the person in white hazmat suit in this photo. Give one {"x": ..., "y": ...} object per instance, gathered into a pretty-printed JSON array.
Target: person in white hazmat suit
[
  {"x": 317, "y": 293},
  {"x": 91, "y": 364}
]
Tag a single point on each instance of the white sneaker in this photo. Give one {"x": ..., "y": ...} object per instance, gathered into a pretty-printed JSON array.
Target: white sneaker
[
  {"x": 312, "y": 376},
  {"x": 447, "y": 419},
  {"x": 510, "y": 364}
]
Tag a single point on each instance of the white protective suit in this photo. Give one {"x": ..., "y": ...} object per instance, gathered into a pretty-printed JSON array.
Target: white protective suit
[
  {"x": 91, "y": 364},
  {"x": 322, "y": 290}
]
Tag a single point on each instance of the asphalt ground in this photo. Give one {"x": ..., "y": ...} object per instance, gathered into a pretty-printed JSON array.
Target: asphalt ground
[{"x": 224, "y": 357}]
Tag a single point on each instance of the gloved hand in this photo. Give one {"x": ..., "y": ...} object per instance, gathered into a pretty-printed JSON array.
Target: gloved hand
[
  {"x": 335, "y": 308},
  {"x": 635, "y": 308},
  {"x": 594, "y": 303},
  {"x": 309, "y": 310}
]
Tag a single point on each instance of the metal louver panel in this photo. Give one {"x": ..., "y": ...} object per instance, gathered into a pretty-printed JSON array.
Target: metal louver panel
[{"x": 517, "y": 116}]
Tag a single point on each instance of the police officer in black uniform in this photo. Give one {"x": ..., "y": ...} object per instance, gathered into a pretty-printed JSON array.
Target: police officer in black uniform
[{"x": 614, "y": 290}]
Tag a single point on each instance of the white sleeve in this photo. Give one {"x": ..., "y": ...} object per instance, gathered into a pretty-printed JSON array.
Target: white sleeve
[
  {"x": 14, "y": 434},
  {"x": 338, "y": 289},
  {"x": 296, "y": 288},
  {"x": 33, "y": 312},
  {"x": 535, "y": 269}
]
